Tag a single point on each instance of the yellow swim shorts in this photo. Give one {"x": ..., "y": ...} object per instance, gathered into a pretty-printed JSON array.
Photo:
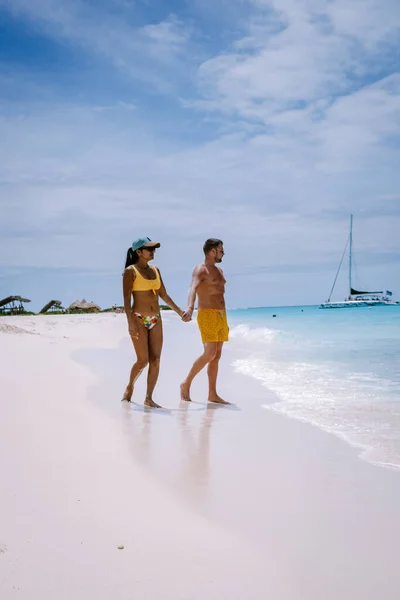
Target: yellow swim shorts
[{"x": 213, "y": 325}]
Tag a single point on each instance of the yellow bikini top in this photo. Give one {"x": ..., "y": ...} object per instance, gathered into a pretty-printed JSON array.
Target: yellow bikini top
[{"x": 141, "y": 284}]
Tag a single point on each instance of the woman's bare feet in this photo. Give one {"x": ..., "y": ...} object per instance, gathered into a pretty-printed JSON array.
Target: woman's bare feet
[
  {"x": 217, "y": 400},
  {"x": 151, "y": 404},
  {"x": 185, "y": 393},
  {"x": 127, "y": 394}
]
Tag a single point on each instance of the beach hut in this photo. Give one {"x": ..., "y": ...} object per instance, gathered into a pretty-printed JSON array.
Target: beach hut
[
  {"x": 83, "y": 307},
  {"x": 52, "y": 306},
  {"x": 13, "y": 305}
]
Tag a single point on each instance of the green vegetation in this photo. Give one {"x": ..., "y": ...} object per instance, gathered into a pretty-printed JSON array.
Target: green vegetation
[{"x": 26, "y": 313}]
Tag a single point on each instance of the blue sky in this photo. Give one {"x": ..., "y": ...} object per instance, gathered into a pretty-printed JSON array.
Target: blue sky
[{"x": 261, "y": 122}]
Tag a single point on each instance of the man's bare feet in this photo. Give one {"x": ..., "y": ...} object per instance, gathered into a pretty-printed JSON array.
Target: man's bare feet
[
  {"x": 185, "y": 393},
  {"x": 217, "y": 400},
  {"x": 151, "y": 404},
  {"x": 127, "y": 394}
]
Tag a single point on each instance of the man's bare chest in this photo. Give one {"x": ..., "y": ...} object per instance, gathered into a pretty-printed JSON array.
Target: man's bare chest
[{"x": 214, "y": 278}]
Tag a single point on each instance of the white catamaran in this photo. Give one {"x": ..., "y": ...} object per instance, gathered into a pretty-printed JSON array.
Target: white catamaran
[{"x": 357, "y": 298}]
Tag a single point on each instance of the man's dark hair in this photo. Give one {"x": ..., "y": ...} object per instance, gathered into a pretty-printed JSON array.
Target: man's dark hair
[{"x": 210, "y": 244}]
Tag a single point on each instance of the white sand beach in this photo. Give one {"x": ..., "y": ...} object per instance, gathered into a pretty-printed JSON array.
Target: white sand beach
[{"x": 103, "y": 499}]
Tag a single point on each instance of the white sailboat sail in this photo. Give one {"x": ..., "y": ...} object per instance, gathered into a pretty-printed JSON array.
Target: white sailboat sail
[{"x": 356, "y": 298}]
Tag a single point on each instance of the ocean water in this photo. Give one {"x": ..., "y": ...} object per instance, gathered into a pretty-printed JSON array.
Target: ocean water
[{"x": 336, "y": 369}]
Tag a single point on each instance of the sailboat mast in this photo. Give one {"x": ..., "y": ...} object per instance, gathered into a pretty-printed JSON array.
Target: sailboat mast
[{"x": 350, "y": 252}]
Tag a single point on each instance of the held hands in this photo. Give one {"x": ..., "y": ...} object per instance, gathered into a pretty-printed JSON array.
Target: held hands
[{"x": 187, "y": 315}]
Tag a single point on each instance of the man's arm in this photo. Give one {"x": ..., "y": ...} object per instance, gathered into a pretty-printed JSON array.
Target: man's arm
[{"x": 197, "y": 278}]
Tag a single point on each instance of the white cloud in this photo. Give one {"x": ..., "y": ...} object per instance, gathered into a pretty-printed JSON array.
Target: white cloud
[
  {"x": 138, "y": 51},
  {"x": 169, "y": 34},
  {"x": 299, "y": 52},
  {"x": 301, "y": 139}
]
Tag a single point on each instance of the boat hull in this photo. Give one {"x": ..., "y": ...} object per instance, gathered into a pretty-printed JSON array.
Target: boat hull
[{"x": 357, "y": 304}]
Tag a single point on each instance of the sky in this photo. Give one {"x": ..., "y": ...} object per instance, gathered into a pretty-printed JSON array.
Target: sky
[{"x": 264, "y": 123}]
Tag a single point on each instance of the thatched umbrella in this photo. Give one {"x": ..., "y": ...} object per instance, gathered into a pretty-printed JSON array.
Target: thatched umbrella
[
  {"x": 83, "y": 306},
  {"x": 8, "y": 305},
  {"x": 11, "y": 299},
  {"x": 53, "y": 304}
]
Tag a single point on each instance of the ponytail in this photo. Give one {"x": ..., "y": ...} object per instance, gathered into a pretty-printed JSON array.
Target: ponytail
[{"x": 131, "y": 257}]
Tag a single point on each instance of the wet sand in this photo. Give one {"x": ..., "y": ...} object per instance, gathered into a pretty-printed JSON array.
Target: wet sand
[{"x": 208, "y": 501}]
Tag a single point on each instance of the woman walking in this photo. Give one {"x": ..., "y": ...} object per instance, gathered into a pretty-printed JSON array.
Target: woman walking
[{"x": 143, "y": 284}]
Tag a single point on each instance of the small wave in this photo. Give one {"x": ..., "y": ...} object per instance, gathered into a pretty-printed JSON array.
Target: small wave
[
  {"x": 344, "y": 407},
  {"x": 372, "y": 378},
  {"x": 242, "y": 331}
]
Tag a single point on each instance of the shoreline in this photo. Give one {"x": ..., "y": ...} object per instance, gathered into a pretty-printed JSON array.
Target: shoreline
[
  {"x": 231, "y": 502},
  {"x": 361, "y": 450},
  {"x": 371, "y": 427},
  {"x": 271, "y": 399},
  {"x": 214, "y": 454}
]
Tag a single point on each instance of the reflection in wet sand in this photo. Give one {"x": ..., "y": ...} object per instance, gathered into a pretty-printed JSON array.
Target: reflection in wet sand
[
  {"x": 138, "y": 430},
  {"x": 174, "y": 445},
  {"x": 194, "y": 475}
]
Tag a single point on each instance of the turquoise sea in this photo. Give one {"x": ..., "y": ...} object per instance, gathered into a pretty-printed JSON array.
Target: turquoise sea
[{"x": 336, "y": 369}]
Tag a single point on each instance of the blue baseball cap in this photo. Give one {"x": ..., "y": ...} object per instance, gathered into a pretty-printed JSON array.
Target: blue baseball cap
[{"x": 143, "y": 242}]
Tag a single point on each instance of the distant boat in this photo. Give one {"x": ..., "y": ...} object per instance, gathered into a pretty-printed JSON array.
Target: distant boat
[{"x": 356, "y": 298}]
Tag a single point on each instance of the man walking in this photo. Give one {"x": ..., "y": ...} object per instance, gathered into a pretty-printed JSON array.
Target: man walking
[{"x": 208, "y": 283}]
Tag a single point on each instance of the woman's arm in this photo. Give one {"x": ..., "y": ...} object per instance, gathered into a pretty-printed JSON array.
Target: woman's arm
[
  {"x": 162, "y": 292},
  {"x": 127, "y": 283}
]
